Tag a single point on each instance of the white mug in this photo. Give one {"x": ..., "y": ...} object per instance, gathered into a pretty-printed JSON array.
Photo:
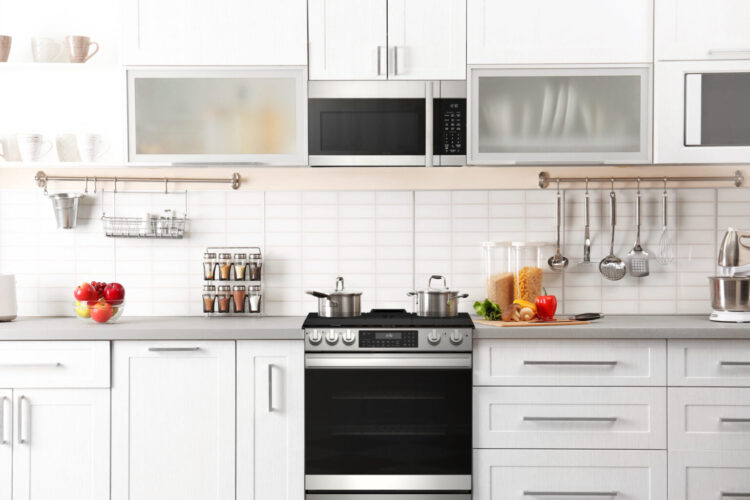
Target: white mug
[
  {"x": 33, "y": 146},
  {"x": 45, "y": 49},
  {"x": 9, "y": 148},
  {"x": 67, "y": 147},
  {"x": 91, "y": 147}
]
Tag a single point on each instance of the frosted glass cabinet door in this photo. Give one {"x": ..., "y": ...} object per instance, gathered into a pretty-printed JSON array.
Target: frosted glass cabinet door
[
  {"x": 207, "y": 116},
  {"x": 560, "y": 115}
]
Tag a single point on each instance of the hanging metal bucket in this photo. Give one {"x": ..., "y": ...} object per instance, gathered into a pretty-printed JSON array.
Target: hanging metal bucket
[{"x": 66, "y": 209}]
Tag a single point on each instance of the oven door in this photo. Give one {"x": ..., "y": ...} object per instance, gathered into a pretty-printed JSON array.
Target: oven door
[{"x": 380, "y": 422}]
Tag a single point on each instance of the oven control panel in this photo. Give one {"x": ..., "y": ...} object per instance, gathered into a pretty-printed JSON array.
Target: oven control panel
[{"x": 388, "y": 339}]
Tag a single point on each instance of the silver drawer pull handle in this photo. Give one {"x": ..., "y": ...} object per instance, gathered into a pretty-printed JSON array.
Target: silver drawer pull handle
[
  {"x": 174, "y": 349},
  {"x": 718, "y": 52},
  {"x": 735, "y": 420},
  {"x": 6, "y": 427},
  {"x": 270, "y": 387},
  {"x": 735, "y": 494},
  {"x": 570, "y": 493},
  {"x": 572, "y": 363},
  {"x": 23, "y": 420},
  {"x": 734, "y": 363},
  {"x": 30, "y": 365},
  {"x": 570, "y": 419}
]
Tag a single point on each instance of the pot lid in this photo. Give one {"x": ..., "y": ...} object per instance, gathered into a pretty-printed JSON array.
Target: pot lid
[
  {"x": 437, "y": 289},
  {"x": 340, "y": 290}
]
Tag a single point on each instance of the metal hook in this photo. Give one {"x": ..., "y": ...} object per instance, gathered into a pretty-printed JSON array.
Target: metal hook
[
  {"x": 95, "y": 181},
  {"x": 665, "y": 185},
  {"x": 587, "y": 185},
  {"x": 86, "y": 187},
  {"x": 612, "y": 180},
  {"x": 115, "y": 184},
  {"x": 638, "y": 185},
  {"x": 558, "y": 186},
  {"x": 166, "y": 184}
]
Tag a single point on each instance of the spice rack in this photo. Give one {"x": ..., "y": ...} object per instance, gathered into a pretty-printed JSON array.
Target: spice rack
[{"x": 232, "y": 282}]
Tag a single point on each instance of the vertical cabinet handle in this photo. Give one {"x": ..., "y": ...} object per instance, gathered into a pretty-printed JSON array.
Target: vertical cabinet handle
[
  {"x": 6, "y": 424},
  {"x": 395, "y": 60},
  {"x": 270, "y": 387},
  {"x": 380, "y": 71},
  {"x": 23, "y": 420}
]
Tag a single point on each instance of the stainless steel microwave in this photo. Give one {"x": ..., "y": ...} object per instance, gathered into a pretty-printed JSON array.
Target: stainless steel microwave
[{"x": 414, "y": 123}]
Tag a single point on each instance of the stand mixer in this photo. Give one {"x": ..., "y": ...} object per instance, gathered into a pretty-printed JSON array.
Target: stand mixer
[{"x": 730, "y": 290}]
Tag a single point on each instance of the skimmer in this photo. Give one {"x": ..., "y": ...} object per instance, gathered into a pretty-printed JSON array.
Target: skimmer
[
  {"x": 612, "y": 267},
  {"x": 638, "y": 257}
]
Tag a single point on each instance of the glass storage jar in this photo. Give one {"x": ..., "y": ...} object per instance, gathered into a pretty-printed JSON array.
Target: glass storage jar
[
  {"x": 254, "y": 297},
  {"x": 209, "y": 298},
  {"x": 514, "y": 270},
  {"x": 209, "y": 265},
  {"x": 239, "y": 293},
  {"x": 255, "y": 263},
  {"x": 225, "y": 297},
  {"x": 225, "y": 266},
  {"x": 240, "y": 265}
]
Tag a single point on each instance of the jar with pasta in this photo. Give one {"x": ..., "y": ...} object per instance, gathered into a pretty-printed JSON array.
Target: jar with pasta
[{"x": 527, "y": 262}]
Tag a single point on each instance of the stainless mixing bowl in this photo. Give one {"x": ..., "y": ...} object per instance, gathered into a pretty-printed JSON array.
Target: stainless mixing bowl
[{"x": 730, "y": 294}]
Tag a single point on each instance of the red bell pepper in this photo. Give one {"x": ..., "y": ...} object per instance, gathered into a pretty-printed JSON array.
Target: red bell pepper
[{"x": 546, "y": 305}]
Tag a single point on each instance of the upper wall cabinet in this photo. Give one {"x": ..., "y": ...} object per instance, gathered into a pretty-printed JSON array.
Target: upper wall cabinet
[
  {"x": 387, "y": 39},
  {"x": 242, "y": 32},
  {"x": 556, "y": 31},
  {"x": 702, "y": 29}
]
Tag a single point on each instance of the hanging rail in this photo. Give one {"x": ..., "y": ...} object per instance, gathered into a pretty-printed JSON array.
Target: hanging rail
[
  {"x": 545, "y": 179},
  {"x": 42, "y": 179}
]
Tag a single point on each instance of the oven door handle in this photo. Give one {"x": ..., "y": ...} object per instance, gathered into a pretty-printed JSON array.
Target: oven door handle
[{"x": 388, "y": 361}]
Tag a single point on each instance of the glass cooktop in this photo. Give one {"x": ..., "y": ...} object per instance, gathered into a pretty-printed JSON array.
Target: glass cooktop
[{"x": 388, "y": 318}]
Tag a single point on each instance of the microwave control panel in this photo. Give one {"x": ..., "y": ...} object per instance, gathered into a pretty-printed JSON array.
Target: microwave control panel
[{"x": 450, "y": 127}]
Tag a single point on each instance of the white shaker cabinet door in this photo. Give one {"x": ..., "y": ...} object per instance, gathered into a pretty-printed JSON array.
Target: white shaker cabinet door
[
  {"x": 61, "y": 445},
  {"x": 270, "y": 420},
  {"x": 6, "y": 443},
  {"x": 702, "y": 29},
  {"x": 202, "y": 32},
  {"x": 427, "y": 39},
  {"x": 348, "y": 40},
  {"x": 173, "y": 421},
  {"x": 564, "y": 32}
]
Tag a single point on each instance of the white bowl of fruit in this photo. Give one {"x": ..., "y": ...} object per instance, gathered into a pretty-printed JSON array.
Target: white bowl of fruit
[{"x": 99, "y": 302}]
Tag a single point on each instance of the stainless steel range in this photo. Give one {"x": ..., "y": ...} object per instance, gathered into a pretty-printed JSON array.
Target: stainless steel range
[{"x": 388, "y": 407}]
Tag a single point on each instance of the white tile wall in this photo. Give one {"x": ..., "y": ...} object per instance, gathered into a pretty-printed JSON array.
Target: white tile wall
[{"x": 383, "y": 243}]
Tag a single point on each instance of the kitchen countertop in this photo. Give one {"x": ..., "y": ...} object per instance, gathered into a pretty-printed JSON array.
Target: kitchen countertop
[{"x": 289, "y": 328}]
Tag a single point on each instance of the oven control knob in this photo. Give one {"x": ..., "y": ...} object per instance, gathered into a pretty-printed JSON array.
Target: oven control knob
[
  {"x": 434, "y": 337},
  {"x": 349, "y": 337},
  {"x": 456, "y": 337},
  {"x": 315, "y": 337},
  {"x": 332, "y": 336}
]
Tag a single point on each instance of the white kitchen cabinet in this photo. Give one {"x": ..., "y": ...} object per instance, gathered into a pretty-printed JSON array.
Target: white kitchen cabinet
[
  {"x": 173, "y": 420},
  {"x": 559, "y": 32},
  {"x": 709, "y": 363},
  {"x": 531, "y": 474},
  {"x": 270, "y": 420},
  {"x": 427, "y": 39},
  {"x": 224, "y": 32},
  {"x": 703, "y": 475},
  {"x": 61, "y": 445},
  {"x": 701, "y": 29},
  {"x": 387, "y": 39},
  {"x": 709, "y": 419},
  {"x": 6, "y": 443},
  {"x": 348, "y": 39}
]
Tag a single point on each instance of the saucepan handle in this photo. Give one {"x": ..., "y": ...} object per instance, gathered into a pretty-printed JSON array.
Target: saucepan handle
[
  {"x": 319, "y": 295},
  {"x": 411, "y": 294},
  {"x": 463, "y": 296},
  {"x": 437, "y": 277}
]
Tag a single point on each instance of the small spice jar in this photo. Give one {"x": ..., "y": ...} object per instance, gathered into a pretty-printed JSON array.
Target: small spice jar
[
  {"x": 255, "y": 262},
  {"x": 225, "y": 266},
  {"x": 225, "y": 297},
  {"x": 209, "y": 265},
  {"x": 240, "y": 265},
  {"x": 239, "y": 293},
  {"x": 253, "y": 294},
  {"x": 209, "y": 298}
]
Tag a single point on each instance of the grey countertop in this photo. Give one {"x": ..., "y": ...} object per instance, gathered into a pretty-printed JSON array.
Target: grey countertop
[{"x": 289, "y": 328}]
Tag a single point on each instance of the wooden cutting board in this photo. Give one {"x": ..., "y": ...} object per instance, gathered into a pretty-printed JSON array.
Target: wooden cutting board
[{"x": 556, "y": 322}]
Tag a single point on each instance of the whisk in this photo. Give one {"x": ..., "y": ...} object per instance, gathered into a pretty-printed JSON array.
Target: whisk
[{"x": 666, "y": 249}]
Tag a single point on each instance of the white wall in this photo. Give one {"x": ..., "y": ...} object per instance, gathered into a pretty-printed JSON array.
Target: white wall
[{"x": 383, "y": 243}]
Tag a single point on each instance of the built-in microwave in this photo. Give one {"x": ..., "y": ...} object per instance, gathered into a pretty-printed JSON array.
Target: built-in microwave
[
  {"x": 703, "y": 113},
  {"x": 410, "y": 123}
]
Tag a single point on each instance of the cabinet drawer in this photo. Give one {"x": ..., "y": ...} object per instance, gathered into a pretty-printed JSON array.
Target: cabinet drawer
[
  {"x": 709, "y": 419},
  {"x": 536, "y": 474},
  {"x": 708, "y": 475},
  {"x": 566, "y": 417},
  {"x": 54, "y": 364},
  {"x": 717, "y": 363},
  {"x": 570, "y": 362}
]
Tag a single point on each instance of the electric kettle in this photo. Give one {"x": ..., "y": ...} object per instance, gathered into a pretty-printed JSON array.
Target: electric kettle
[{"x": 8, "y": 307}]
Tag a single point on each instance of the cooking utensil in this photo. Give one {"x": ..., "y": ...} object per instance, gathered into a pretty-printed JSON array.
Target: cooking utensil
[
  {"x": 666, "y": 250},
  {"x": 557, "y": 262},
  {"x": 587, "y": 226},
  {"x": 734, "y": 255},
  {"x": 439, "y": 302},
  {"x": 638, "y": 257},
  {"x": 583, "y": 317},
  {"x": 730, "y": 293},
  {"x": 612, "y": 267},
  {"x": 340, "y": 303}
]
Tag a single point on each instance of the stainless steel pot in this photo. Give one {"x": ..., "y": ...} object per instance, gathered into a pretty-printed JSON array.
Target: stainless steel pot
[
  {"x": 730, "y": 293},
  {"x": 439, "y": 302},
  {"x": 340, "y": 303}
]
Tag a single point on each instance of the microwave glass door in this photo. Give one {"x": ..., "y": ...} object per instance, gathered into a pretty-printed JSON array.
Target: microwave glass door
[
  {"x": 388, "y": 421},
  {"x": 206, "y": 116},
  {"x": 717, "y": 109},
  {"x": 587, "y": 115}
]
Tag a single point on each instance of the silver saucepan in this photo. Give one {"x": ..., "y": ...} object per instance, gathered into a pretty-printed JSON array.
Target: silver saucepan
[
  {"x": 439, "y": 302},
  {"x": 340, "y": 303}
]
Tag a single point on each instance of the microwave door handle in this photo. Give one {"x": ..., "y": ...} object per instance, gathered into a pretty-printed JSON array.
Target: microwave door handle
[{"x": 429, "y": 109}]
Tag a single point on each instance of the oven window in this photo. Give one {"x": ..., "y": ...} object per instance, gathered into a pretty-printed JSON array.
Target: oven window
[
  {"x": 370, "y": 421},
  {"x": 366, "y": 126}
]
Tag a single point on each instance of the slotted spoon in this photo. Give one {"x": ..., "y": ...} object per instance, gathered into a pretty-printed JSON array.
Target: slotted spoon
[
  {"x": 638, "y": 257},
  {"x": 612, "y": 267}
]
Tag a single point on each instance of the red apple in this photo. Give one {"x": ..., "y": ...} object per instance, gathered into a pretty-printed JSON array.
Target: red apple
[
  {"x": 114, "y": 293},
  {"x": 102, "y": 311},
  {"x": 86, "y": 293}
]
